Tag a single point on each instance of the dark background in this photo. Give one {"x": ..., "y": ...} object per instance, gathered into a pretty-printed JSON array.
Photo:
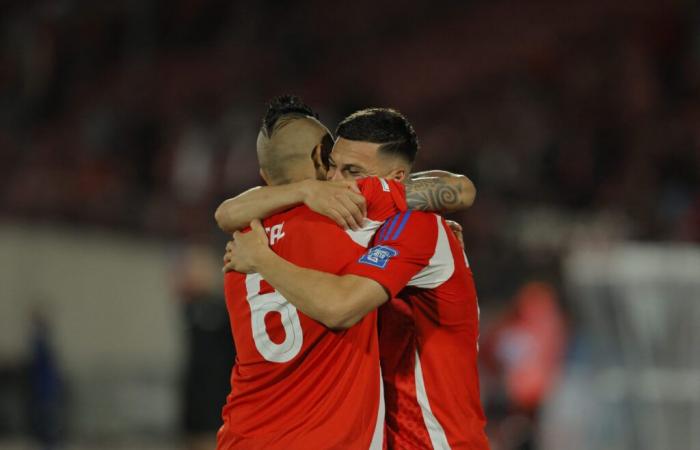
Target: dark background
[{"x": 579, "y": 123}]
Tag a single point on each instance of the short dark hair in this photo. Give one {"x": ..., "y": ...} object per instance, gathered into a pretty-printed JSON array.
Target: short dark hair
[
  {"x": 282, "y": 106},
  {"x": 384, "y": 126}
]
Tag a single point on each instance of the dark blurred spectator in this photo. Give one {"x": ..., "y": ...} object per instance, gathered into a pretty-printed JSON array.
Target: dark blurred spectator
[
  {"x": 210, "y": 351},
  {"x": 47, "y": 394}
]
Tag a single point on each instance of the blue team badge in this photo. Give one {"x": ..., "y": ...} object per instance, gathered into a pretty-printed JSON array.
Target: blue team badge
[{"x": 378, "y": 256}]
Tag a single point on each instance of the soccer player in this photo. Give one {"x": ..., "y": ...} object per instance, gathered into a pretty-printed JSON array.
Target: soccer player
[
  {"x": 339, "y": 199},
  {"x": 430, "y": 365},
  {"x": 296, "y": 383}
]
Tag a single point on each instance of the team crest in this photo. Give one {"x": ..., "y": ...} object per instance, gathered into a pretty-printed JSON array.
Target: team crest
[{"x": 378, "y": 256}]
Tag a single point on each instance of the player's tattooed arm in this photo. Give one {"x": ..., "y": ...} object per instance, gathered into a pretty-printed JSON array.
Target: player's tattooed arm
[
  {"x": 257, "y": 203},
  {"x": 338, "y": 200},
  {"x": 439, "y": 192},
  {"x": 433, "y": 173}
]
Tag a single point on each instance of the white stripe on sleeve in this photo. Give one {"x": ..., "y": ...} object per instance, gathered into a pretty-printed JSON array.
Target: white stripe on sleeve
[
  {"x": 441, "y": 265},
  {"x": 364, "y": 235}
]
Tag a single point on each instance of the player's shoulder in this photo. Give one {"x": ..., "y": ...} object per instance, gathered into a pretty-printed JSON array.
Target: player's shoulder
[
  {"x": 384, "y": 197},
  {"x": 373, "y": 186},
  {"x": 305, "y": 221},
  {"x": 422, "y": 225},
  {"x": 299, "y": 213},
  {"x": 414, "y": 226},
  {"x": 425, "y": 217},
  {"x": 421, "y": 219},
  {"x": 281, "y": 216},
  {"x": 300, "y": 224}
]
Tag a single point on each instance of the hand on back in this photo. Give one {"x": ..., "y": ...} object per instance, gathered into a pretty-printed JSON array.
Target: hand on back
[
  {"x": 340, "y": 201},
  {"x": 457, "y": 231}
]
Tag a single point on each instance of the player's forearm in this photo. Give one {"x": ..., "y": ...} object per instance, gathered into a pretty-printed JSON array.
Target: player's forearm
[
  {"x": 444, "y": 194},
  {"x": 432, "y": 173},
  {"x": 317, "y": 294},
  {"x": 260, "y": 202}
]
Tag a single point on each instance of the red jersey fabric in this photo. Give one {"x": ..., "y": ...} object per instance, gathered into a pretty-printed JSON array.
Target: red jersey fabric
[
  {"x": 428, "y": 335},
  {"x": 296, "y": 384}
]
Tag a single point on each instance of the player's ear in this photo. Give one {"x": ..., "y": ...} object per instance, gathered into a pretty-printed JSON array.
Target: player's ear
[
  {"x": 398, "y": 174},
  {"x": 316, "y": 155},
  {"x": 264, "y": 176},
  {"x": 320, "y": 166}
]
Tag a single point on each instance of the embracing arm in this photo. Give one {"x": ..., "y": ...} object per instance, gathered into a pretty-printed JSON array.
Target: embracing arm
[
  {"x": 257, "y": 203},
  {"x": 433, "y": 173},
  {"x": 435, "y": 190},
  {"x": 336, "y": 301},
  {"x": 339, "y": 200},
  {"x": 439, "y": 191}
]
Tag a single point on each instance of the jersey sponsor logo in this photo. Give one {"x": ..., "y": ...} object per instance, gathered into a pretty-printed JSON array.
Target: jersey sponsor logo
[{"x": 378, "y": 256}]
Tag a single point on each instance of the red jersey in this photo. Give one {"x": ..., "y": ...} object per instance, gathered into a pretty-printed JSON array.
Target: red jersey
[
  {"x": 428, "y": 336},
  {"x": 296, "y": 384}
]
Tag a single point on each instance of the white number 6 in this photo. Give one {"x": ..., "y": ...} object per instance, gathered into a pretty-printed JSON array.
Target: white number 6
[{"x": 260, "y": 306}]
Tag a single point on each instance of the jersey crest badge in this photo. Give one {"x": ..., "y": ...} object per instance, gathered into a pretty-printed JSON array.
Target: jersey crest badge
[{"x": 378, "y": 256}]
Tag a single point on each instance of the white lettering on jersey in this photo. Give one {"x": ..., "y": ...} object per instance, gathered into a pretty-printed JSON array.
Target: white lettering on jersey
[
  {"x": 260, "y": 306},
  {"x": 275, "y": 233},
  {"x": 441, "y": 265}
]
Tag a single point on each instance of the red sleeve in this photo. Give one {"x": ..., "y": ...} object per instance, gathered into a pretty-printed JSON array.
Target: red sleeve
[
  {"x": 402, "y": 248},
  {"x": 384, "y": 197}
]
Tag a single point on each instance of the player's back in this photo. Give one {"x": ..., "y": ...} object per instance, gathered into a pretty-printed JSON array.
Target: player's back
[{"x": 297, "y": 384}]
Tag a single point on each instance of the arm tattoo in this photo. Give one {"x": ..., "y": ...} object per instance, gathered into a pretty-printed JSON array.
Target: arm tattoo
[{"x": 433, "y": 194}]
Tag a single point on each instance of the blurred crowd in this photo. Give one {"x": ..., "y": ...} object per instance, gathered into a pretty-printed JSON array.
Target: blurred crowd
[
  {"x": 143, "y": 115},
  {"x": 575, "y": 121}
]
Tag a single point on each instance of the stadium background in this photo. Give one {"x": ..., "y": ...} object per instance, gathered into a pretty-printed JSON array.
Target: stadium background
[{"x": 124, "y": 124}]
